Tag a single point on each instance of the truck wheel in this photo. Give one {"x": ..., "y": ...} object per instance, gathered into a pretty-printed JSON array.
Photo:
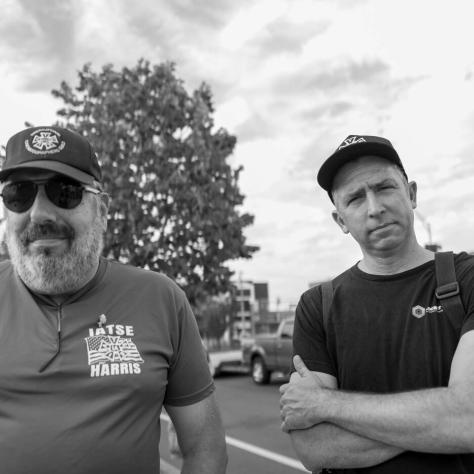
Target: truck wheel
[{"x": 260, "y": 373}]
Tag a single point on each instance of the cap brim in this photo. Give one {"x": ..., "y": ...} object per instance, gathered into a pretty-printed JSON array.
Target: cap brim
[
  {"x": 55, "y": 166},
  {"x": 331, "y": 166}
]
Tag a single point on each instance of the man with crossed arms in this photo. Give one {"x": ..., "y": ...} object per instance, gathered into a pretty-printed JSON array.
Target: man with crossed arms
[{"x": 377, "y": 389}]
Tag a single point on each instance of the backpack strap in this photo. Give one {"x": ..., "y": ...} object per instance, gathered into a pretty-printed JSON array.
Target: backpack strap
[
  {"x": 447, "y": 289},
  {"x": 326, "y": 299}
]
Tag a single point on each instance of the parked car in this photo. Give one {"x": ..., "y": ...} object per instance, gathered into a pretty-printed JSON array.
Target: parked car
[
  {"x": 225, "y": 361},
  {"x": 269, "y": 352}
]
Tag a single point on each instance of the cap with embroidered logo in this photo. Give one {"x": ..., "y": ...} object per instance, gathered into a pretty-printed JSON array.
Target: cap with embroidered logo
[
  {"x": 353, "y": 147},
  {"x": 55, "y": 149}
]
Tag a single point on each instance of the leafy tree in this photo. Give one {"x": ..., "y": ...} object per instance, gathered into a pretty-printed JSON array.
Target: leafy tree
[
  {"x": 175, "y": 198},
  {"x": 214, "y": 317}
]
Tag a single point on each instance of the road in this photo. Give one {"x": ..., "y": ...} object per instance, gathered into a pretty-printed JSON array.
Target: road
[{"x": 251, "y": 419}]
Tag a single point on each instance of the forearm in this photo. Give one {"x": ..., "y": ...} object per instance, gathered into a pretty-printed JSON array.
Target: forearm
[
  {"x": 201, "y": 437},
  {"x": 330, "y": 446},
  {"x": 205, "y": 461},
  {"x": 437, "y": 420}
]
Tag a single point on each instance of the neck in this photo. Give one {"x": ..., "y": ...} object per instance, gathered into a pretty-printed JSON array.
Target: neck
[
  {"x": 395, "y": 261},
  {"x": 60, "y": 298}
]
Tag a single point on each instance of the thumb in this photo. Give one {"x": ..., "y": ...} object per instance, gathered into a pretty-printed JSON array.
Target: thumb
[{"x": 300, "y": 366}]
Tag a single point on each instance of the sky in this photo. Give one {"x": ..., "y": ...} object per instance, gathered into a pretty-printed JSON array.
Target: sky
[{"x": 291, "y": 79}]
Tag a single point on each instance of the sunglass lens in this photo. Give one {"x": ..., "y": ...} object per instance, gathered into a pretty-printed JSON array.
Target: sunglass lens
[
  {"x": 64, "y": 193},
  {"x": 19, "y": 197}
]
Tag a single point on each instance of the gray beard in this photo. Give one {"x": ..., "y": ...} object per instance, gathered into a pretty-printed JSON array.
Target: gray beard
[{"x": 58, "y": 274}]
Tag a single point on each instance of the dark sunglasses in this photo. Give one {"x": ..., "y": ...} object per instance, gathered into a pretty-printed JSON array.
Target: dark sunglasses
[{"x": 66, "y": 193}]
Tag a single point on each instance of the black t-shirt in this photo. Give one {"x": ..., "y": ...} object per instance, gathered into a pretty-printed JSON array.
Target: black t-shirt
[{"x": 388, "y": 333}]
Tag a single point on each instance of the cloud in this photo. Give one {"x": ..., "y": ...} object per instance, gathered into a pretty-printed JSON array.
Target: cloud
[
  {"x": 330, "y": 110},
  {"x": 150, "y": 29},
  {"x": 255, "y": 127},
  {"x": 43, "y": 36},
  {"x": 281, "y": 36},
  {"x": 173, "y": 28},
  {"x": 291, "y": 79},
  {"x": 329, "y": 77},
  {"x": 49, "y": 41},
  {"x": 211, "y": 14}
]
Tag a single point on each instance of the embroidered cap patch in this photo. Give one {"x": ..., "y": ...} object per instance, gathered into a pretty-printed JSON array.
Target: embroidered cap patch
[
  {"x": 351, "y": 140},
  {"x": 44, "y": 141}
]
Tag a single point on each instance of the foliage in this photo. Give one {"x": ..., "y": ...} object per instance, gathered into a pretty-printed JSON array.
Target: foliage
[
  {"x": 214, "y": 316},
  {"x": 175, "y": 198}
]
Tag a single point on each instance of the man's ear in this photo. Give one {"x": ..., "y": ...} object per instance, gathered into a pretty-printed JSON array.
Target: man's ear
[
  {"x": 412, "y": 188},
  {"x": 339, "y": 221}
]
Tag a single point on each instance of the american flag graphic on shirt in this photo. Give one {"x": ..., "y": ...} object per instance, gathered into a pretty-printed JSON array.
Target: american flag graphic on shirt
[{"x": 104, "y": 349}]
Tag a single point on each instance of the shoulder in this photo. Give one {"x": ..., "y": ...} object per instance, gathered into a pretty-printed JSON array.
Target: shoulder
[
  {"x": 313, "y": 294},
  {"x": 9, "y": 279},
  {"x": 464, "y": 266},
  {"x": 464, "y": 260},
  {"x": 140, "y": 280}
]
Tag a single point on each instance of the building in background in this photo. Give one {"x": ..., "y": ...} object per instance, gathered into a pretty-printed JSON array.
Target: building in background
[
  {"x": 247, "y": 306},
  {"x": 251, "y": 309}
]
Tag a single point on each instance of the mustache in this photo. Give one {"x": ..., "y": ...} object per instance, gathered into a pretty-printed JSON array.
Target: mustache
[{"x": 46, "y": 230}]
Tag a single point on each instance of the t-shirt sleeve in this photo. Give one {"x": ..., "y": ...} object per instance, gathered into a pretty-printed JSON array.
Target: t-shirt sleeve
[
  {"x": 309, "y": 338},
  {"x": 189, "y": 377}
]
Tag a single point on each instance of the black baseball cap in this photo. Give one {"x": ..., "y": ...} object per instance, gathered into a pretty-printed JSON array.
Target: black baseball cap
[
  {"x": 353, "y": 147},
  {"x": 52, "y": 148}
]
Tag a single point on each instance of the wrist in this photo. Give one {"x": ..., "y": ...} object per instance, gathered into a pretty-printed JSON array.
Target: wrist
[{"x": 327, "y": 405}]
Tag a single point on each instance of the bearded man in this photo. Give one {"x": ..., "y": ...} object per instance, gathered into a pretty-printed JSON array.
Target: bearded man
[{"x": 90, "y": 349}]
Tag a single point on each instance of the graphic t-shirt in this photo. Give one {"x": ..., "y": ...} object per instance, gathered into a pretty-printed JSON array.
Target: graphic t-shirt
[
  {"x": 82, "y": 384},
  {"x": 388, "y": 334}
]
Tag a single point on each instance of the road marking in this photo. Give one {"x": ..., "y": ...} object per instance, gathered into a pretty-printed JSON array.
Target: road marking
[
  {"x": 167, "y": 468},
  {"x": 264, "y": 453}
]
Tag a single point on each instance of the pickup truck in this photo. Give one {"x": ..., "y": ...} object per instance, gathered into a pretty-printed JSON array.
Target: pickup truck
[
  {"x": 267, "y": 353},
  {"x": 225, "y": 361}
]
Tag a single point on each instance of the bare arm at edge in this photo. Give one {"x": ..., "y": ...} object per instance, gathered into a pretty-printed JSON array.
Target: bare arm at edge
[{"x": 201, "y": 436}]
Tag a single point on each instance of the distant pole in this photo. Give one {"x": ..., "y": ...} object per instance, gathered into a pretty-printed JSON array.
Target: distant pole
[
  {"x": 426, "y": 225},
  {"x": 242, "y": 306},
  {"x": 430, "y": 245}
]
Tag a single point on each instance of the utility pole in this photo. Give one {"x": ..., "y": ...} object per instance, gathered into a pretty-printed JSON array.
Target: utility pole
[
  {"x": 430, "y": 245},
  {"x": 241, "y": 305}
]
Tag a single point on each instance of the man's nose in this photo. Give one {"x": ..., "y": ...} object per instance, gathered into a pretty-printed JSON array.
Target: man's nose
[
  {"x": 42, "y": 209},
  {"x": 374, "y": 205}
]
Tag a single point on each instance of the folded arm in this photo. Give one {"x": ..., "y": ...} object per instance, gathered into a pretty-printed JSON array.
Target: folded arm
[
  {"x": 438, "y": 420},
  {"x": 201, "y": 437},
  {"x": 330, "y": 446}
]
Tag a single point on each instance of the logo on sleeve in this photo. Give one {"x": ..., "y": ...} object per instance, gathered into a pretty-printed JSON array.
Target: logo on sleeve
[{"x": 111, "y": 351}]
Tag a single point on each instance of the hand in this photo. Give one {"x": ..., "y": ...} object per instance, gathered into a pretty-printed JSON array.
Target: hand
[{"x": 300, "y": 398}]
